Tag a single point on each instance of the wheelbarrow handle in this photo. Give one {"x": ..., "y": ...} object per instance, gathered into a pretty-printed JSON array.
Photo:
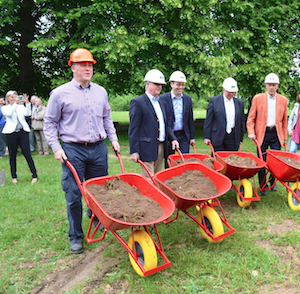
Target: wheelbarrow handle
[
  {"x": 147, "y": 170},
  {"x": 194, "y": 147},
  {"x": 77, "y": 179},
  {"x": 212, "y": 150},
  {"x": 258, "y": 148},
  {"x": 180, "y": 154},
  {"x": 120, "y": 160}
]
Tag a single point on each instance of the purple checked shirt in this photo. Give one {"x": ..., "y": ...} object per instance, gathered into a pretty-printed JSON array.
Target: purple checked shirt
[{"x": 78, "y": 115}]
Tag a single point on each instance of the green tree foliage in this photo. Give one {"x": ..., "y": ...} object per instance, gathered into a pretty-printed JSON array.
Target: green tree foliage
[
  {"x": 261, "y": 37},
  {"x": 208, "y": 40}
]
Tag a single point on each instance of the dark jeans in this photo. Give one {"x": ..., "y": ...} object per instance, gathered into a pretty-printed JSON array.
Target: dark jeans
[
  {"x": 14, "y": 140},
  {"x": 184, "y": 145},
  {"x": 2, "y": 143},
  {"x": 89, "y": 162},
  {"x": 270, "y": 140}
]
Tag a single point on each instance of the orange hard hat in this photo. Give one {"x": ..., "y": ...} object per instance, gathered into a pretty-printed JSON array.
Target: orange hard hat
[{"x": 81, "y": 55}]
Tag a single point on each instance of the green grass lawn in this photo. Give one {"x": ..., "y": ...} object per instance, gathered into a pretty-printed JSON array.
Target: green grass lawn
[
  {"x": 255, "y": 259},
  {"x": 122, "y": 117}
]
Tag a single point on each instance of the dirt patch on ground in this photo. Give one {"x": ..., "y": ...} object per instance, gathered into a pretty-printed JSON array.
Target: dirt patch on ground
[
  {"x": 290, "y": 161},
  {"x": 279, "y": 289},
  {"x": 286, "y": 254},
  {"x": 240, "y": 161},
  {"x": 125, "y": 202},
  {"x": 77, "y": 271},
  {"x": 191, "y": 184},
  {"x": 115, "y": 288},
  {"x": 287, "y": 225}
]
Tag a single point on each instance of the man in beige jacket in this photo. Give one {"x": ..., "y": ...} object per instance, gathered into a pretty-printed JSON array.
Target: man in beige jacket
[
  {"x": 37, "y": 123},
  {"x": 267, "y": 121}
]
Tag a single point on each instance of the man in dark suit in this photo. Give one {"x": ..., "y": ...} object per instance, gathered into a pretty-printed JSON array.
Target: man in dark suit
[
  {"x": 148, "y": 130},
  {"x": 225, "y": 121},
  {"x": 179, "y": 109}
]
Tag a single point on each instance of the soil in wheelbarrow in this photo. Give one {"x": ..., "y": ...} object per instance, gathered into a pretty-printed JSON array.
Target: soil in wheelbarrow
[
  {"x": 207, "y": 161},
  {"x": 290, "y": 161},
  {"x": 240, "y": 161},
  {"x": 192, "y": 184},
  {"x": 124, "y": 202}
]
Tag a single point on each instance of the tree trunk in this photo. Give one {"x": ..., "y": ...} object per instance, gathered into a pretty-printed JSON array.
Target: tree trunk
[{"x": 27, "y": 29}]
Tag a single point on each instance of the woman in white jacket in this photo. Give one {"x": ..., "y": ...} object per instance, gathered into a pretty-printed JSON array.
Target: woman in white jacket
[
  {"x": 294, "y": 127},
  {"x": 16, "y": 132}
]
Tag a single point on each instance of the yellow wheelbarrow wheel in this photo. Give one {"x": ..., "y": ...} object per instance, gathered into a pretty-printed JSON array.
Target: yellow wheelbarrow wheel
[
  {"x": 247, "y": 192},
  {"x": 213, "y": 223},
  {"x": 293, "y": 202},
  {"x": 145, "y": 249}
]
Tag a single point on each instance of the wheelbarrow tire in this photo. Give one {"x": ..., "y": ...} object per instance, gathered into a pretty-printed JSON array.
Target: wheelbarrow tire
[
  {"x": 247, "y": 191},
  {"x": 293, "y": 202},
  {"x": 213, "y": 223},
  {"x": 145, "y": 249}
]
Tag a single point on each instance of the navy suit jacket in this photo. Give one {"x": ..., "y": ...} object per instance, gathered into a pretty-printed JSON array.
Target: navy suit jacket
[
  {"x": 143, "y": 132},
  {"x": 215, "y": 122},
  {"x": 188, "y": 117}
]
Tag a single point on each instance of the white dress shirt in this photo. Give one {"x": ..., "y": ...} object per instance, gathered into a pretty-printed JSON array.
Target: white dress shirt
[
  {"x": 271, "y": 122},
  {"x": 159, "y": 115},
  {"x": 230, "y": 114}
]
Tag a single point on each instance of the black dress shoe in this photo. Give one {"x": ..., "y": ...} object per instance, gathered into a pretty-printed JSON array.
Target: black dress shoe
[
  {"x": 274, "y": 188},
  {"x": 76, "y": 248},
  {"x": 264, "y": 193}
]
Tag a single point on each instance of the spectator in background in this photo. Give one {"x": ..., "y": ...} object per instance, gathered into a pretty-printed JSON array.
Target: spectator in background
[
  {"x": 294, "y": 127},
  {"x": 16, "y": 132},
  {"x": 37, "y": 124},
  {"x": 2, "y": 124},
  {"x": 28, "y": 119}
]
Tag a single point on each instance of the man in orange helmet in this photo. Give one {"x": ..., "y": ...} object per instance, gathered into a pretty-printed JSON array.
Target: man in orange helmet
[{"x": 79, "y": 111}]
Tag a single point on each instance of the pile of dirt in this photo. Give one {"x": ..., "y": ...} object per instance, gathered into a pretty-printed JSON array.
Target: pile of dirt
[
  {"x": 125, "y": 202},
  {"x": 207, "y": 161},
  {"x": 240, "y": 161},
  {"x": 192, "y": 184},
  {"x": 290, "y": 161}
]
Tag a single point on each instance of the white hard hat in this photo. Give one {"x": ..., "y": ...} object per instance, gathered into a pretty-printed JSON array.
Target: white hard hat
[
  {"x": 272, "y": 79},
  {"x": 178, "y": 76},
  {"x": 230, "y": 85},
  {"x": 155, "y": 76}
]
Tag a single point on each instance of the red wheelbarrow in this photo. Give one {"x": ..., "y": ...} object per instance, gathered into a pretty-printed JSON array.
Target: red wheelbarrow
[
  {"x": 174, "y": 159},
  {"x": 142, "y": 247},
  {"x": 244, "y": 189},
  {"x": 209, "y": 221},
  {"x": 285, "y": 173}
]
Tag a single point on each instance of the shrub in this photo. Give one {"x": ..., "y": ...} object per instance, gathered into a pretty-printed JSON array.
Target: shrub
[{"x": 120, "y": 102}]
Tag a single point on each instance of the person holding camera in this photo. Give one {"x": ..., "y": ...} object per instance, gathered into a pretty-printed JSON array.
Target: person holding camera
[
  {"x": 2, "y": 124},
  {"x": 16, "y": 132}
]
